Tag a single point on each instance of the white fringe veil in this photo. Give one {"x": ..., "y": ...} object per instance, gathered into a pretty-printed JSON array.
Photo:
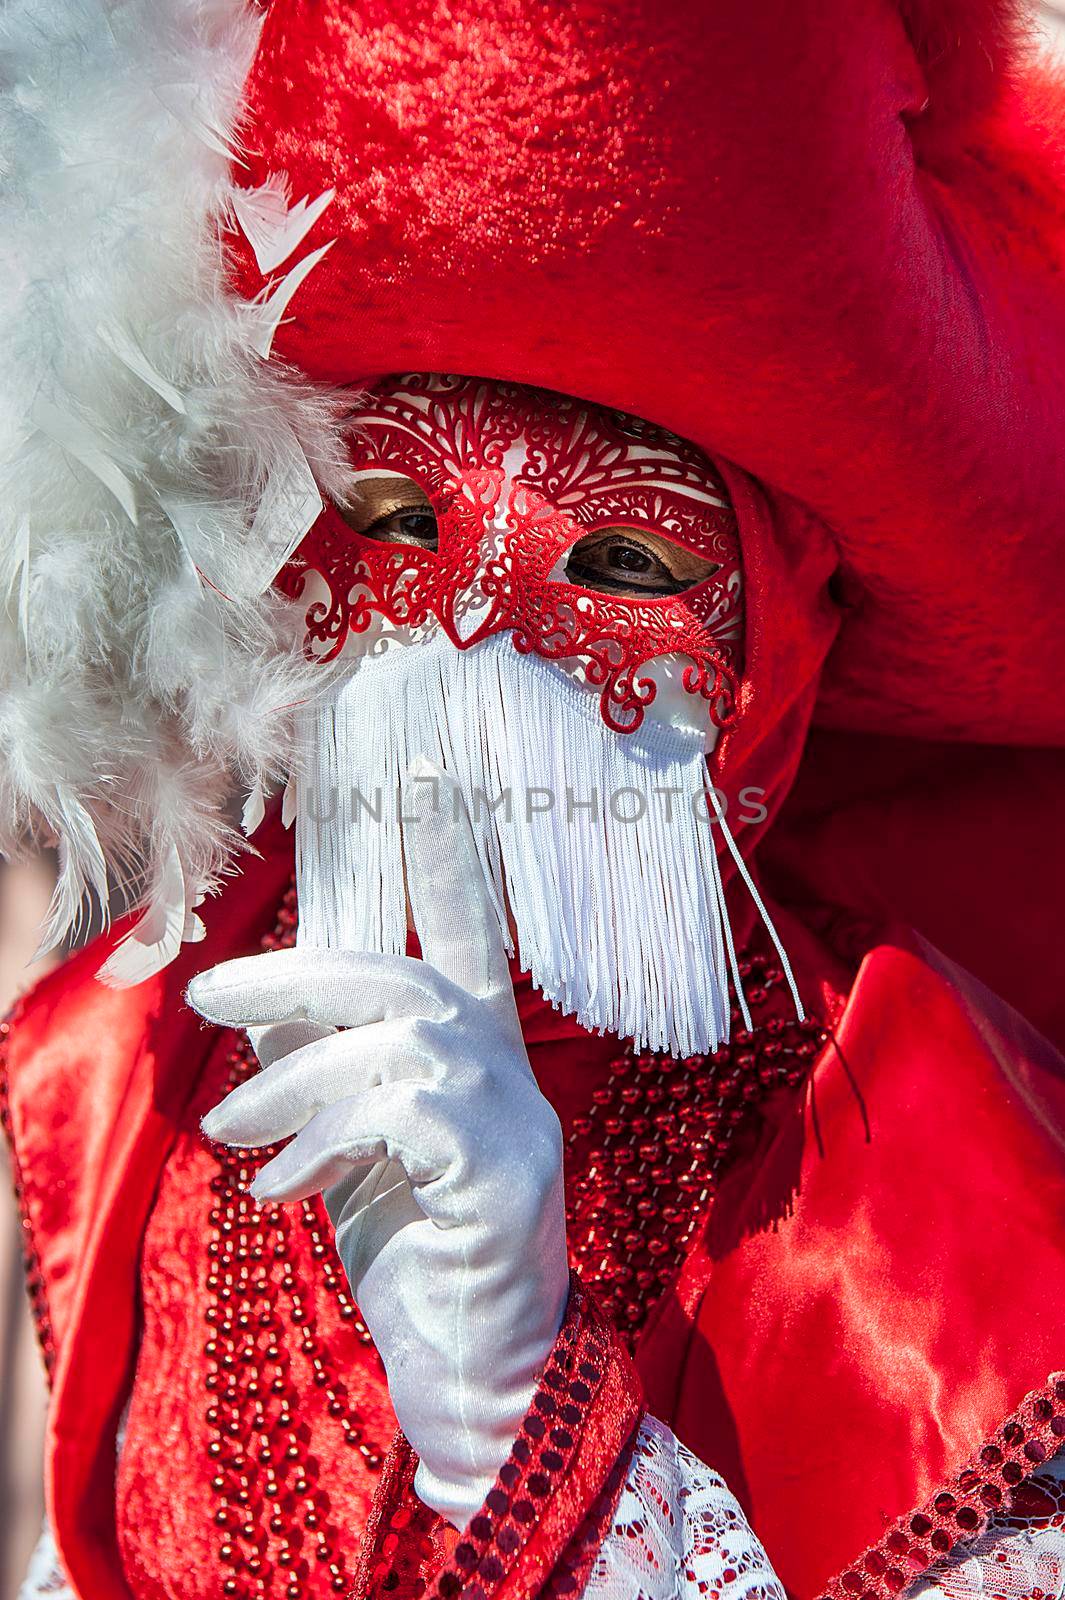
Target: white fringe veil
[{"x": 156, "y": 469}]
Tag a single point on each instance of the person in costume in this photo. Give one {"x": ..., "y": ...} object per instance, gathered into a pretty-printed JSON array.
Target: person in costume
[{"x": 578, "y": 404}]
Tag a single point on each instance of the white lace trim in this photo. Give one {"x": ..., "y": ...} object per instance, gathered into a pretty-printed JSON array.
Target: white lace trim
[
  {"x": 45, "y": 1575},
  {"x": 678, "y": 1531},
  {"x": 679, "y": 1534}
]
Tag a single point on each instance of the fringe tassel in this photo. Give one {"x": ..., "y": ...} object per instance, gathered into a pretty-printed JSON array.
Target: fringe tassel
[{"x": 601, "y": 844}]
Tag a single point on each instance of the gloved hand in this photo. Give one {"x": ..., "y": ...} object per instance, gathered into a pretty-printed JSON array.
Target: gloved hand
[{"x": 440, "y": 1159}]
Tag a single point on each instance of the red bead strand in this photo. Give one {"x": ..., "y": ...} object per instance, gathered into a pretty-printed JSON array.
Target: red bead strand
[
  {"x": 643, "y": 1164},
  {"x": 264, "y": 1348}
]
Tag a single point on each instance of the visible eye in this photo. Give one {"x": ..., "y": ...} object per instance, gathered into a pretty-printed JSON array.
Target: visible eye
[
  {"x": 628, "y": 561},
  {"x": 405, "y": 527},
  {"x": 394, "y": 510}
]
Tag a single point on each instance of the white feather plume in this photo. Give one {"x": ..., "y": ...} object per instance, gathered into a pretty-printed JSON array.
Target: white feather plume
[{"x": 155, "y": 470}]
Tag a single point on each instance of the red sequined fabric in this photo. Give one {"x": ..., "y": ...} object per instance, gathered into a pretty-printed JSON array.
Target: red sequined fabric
[
  {"x": 991, "y": 1489},
  {"x": 1021, "y": 1555},
  {"x": 516, "y": 477}
]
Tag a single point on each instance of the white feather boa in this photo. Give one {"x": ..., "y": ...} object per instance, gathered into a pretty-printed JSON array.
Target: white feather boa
[{"x": 155, "y": 468}]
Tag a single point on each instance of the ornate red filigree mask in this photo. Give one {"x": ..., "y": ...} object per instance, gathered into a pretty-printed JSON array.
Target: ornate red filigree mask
[{"x": 517, "y": 478}]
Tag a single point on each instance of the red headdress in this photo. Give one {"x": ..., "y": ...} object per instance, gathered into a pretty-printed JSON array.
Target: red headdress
[{"x": 826, "y": 248}]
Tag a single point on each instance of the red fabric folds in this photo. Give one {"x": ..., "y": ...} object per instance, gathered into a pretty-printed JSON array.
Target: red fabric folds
[{"x": 880, "y": 1286}]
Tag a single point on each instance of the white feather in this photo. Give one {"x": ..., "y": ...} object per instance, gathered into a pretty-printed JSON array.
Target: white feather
[
  {"x": 18, "y": 585},
  {"x": 144, "y": 440},
  {"x": 254, "y": 809},
  {"x": 271, "y": 226},
  {"x": 186, "y": 519},
  {"x": 82, "y": 441},
  {"x": 155, "y": 938},
  {"x": 266, "y": 314},
  {"x": 290, "y": 802},
  {"x": 192, "y": 107},
  {"x": 289, "y": 507},
  {"x": 122, "y": 343}
]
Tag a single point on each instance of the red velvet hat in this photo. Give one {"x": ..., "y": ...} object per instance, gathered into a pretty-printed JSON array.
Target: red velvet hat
[{"x": 822, "y": 241}]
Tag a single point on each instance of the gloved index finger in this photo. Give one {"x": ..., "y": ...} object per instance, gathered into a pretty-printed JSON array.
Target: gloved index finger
[
  {"x": 454, "y": 914},
  {"x": 330, "y": 988}
]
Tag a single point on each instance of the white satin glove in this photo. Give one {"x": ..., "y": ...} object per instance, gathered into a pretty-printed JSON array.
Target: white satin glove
[{"x": 440, "y": 1159}]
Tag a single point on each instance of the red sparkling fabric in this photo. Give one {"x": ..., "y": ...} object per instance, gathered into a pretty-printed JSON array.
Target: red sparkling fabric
[
  {"x": 989, "y": 1488},
  {"x": 404, "y": 1541},
  {"x": 504, "y": 526}
]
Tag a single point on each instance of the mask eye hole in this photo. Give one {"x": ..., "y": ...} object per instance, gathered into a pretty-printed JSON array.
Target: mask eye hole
[
  {"x": 392, "y": 509},
  {"x": 636, "y": 563}
]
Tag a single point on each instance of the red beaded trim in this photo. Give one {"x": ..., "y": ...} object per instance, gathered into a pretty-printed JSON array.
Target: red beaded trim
[
  {"x": 277, "y": 1536},
  {"x": 571, "y": 1453},
  {"x": 962, "y": 1508},
  {"x": 35, "y": 1284},
  {"x": 643, "y": 1165}
]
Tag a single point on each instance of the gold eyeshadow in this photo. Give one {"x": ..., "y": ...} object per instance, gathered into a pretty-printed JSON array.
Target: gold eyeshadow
[
  {"x": 376, "y": 498},
  {"x": 672, "y": 567}
]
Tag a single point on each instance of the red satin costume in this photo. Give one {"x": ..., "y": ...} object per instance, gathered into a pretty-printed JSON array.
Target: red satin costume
[{"x": 823, "y": 242}]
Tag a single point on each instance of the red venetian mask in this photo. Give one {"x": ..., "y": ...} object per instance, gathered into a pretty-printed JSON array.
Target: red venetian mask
[{"x": 516, "y": 478}]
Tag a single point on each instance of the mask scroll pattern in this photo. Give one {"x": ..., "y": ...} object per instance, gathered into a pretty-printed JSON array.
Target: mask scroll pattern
[
  {"x": 589, "y": 705},
  {"x": 516, "y": 477}
]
